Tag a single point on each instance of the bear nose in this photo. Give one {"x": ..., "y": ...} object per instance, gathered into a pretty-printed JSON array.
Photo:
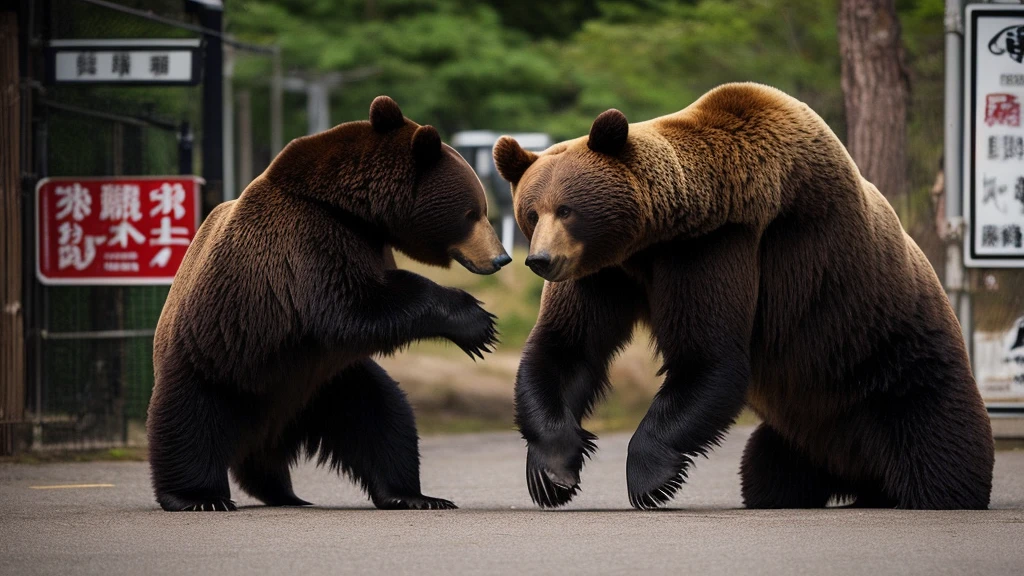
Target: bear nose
[
  {"x": 539, "y": 263},
  {"x": 500, "y": 261}
]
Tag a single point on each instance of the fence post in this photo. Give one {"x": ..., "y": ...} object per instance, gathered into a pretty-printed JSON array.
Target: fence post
[
  {"x": 185, "y": 139},
  {"x": 957, "y": 278},
  {"x": 12, "y": 341},
  {"x": 211, "y": 18}
]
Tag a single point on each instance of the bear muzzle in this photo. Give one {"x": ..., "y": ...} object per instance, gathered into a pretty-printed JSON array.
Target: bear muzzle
[
  {"x": 481, "y": 252},
  {"x": 554, "y": 253}
]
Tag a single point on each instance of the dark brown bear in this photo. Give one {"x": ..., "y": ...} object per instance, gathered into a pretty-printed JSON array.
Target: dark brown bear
[
  {"x": 772, "y": 274},
  {"x": 263, "y": 348}
]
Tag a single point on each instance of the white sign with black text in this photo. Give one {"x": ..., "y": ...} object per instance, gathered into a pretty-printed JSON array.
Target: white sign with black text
[
  {"x": 124, "y": 61},
  {"x": 994, "y": 136}
]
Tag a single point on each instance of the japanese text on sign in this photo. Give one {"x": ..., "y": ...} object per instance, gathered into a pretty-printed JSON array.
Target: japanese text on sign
[
  {"x": 994, "y": 146},
  {"x": 114, "y": 231},
  {"x": 139, "y": 61}
]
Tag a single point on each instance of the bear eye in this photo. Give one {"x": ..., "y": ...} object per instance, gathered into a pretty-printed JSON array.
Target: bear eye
[
  {"x": 531, "y": 217},
  {"x": 471, "y": 215},
  {"x": 563, "y": 212}
]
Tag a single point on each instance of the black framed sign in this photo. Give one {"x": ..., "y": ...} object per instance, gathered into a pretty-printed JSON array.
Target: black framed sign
[
  {"x": 994, "y": 136},
  {"x": 170, "y": 62}
]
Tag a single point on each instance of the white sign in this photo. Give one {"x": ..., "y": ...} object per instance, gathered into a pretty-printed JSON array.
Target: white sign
[
  {"x": 124, "y": 61},
  {"x": 994, "y": 136},
  {"x": 999, "y": 361}
]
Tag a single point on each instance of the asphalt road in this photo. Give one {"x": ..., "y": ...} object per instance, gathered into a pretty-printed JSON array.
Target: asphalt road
[{"x": 118, "y": 529}]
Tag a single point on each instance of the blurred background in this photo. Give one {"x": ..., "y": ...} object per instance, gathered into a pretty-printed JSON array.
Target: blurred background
[{"x": 78, "y": 369}]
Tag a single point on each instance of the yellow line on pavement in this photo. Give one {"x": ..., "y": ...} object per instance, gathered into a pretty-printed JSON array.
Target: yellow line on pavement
[{"x": 66, "y": 486}]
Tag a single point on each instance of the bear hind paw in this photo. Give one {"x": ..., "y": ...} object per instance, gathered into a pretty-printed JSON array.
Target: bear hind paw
[
  {"x": 180, "y": 504},
  {"x": 659, "y": 496},
  {"x": 417, "y": 502}
]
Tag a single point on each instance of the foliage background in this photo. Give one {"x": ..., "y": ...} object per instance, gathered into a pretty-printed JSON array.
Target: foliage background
[{"x": 554, "y": 65}]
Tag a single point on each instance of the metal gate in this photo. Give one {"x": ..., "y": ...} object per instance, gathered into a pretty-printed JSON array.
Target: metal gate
[
  {"x": 89, "y": 374},
  {"x": 92, "y": 345}
]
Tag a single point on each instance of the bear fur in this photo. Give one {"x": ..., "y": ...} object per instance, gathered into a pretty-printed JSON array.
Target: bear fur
[
  {"x": 263, "y": 349},
  {"x": 771, "y": 274}
]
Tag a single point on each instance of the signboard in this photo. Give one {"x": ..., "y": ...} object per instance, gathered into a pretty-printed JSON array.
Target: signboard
[
  {"x": 138, "y": 62},
  {"x": 120, "y": 231},
  {"x": 994, "y": 136},
  {"x": 999, "y": 357}
]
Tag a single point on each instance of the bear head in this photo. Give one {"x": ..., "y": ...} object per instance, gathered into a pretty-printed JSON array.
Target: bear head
[
  {"x": 448, "y": 216},
  {"x": 577, "y": 202},
  {"x": 400, "y": 183}
]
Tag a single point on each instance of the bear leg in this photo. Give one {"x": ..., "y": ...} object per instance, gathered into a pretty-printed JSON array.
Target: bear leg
[
  {"x": 189, "y": 447},
  {"x": 688, "y": 417},
  {"x": 702, "y": 295},
  {"x": 940, "y": 452},
  {"x": 563, "y": 373},
  {"x": 265, "y": 476},
  {"x": 775, "y": 475},
  {"x": 362, "y": 425}
]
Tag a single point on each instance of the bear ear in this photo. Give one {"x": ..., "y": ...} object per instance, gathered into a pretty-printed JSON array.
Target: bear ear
[
  {"x": 511, "y": 159},
  {"x": 608, "y": 133},
  {"x": 426, "y": 146},
  {"x": 385, "y": 115}
]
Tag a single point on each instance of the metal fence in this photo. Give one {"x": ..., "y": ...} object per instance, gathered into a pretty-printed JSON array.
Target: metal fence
[
  {"x": 89, "y": 373},
  {"x": 92, "y": 371}
]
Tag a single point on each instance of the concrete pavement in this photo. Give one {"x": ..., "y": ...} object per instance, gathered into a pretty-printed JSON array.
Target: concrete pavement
[{"x": 118, "y": 529}]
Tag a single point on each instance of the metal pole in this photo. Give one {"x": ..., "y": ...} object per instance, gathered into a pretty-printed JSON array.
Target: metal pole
[
  {"x": 213, "y": 108},
  {"x": 42, "y": 311},
  {"x": 318, "y": 110},
  {"x": 185, "y": 139},
  {"x": 276, "y": 104},
  {"x": 508, "y": 231},
  {"x": 957, "y": 285},
  {"x": 228, "y": 117},
  {"x": 244, "y": 139}
]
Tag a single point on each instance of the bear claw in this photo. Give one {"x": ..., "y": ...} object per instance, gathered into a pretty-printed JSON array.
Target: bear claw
[
  {"x": 173, "y": 502},
  {"x": 547, "y": 492},
  {"x": 659, "y": 496},
  {"x": 414, "y": 503},
  {"x": 214, "y": 506}
]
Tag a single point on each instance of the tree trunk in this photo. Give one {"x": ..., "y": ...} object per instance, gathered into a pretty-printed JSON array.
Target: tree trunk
[{"x": 875, "y": 93}]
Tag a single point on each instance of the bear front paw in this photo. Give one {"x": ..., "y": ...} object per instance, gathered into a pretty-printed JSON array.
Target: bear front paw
[
  {"x": 473, "y": 329},
  {"x": 654, "y": 473},
  {"x": 553, "y": 468},
  {"x": 548, "y": 488}
]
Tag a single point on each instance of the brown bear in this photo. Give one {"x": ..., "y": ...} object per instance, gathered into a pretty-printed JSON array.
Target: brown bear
[
  {"x": 771, "y": 274},
  {"x": 263, "y": 349}
]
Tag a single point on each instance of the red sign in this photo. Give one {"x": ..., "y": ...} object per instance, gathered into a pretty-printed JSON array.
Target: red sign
[{"x": 118, "y": 230}]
